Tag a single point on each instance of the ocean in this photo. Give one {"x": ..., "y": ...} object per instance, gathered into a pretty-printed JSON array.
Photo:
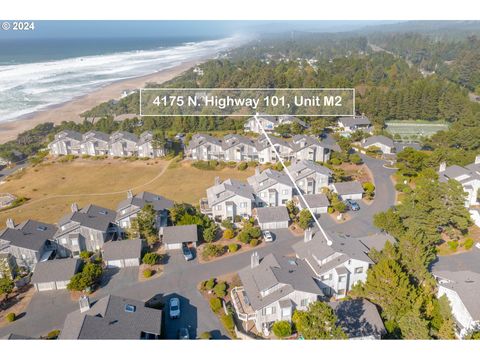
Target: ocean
[{"x": 36, "y": 74}]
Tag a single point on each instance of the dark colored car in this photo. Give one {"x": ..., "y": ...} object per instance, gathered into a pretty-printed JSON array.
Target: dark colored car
[
  {"x": 352, "y": 205},
  {"x": 183, "y": 334}
]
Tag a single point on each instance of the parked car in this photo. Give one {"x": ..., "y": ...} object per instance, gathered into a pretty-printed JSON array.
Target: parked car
[
  {"x": 267, "y": 235},
  {"x": 174, "y": 308},
  {"x": 187, "y": 253},
  {"x": 183, "y": 334},
  {"x": 352, "y": 205}
]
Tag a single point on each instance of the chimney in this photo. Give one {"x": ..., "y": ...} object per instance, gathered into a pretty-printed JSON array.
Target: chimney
[
  {"x": 308, "y": 234},
  {"x": 84, "y": 303},
  {"x": 129, "y": 194},
  {"x": 443, "y": 167},
  {"x": 477, "y": 159},
  {"x": 10, "y": 223},
  {"x": 257, "y": 170},
  {"x": 217, "y": 180},
  {"x": 74, "y": 207},
  {"x": 254, "y": 260}
]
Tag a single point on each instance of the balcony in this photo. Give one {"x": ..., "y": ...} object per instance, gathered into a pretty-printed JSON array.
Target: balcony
[
  {"x": 205, "y": 209},
  {"x": 241, "y": 304}
]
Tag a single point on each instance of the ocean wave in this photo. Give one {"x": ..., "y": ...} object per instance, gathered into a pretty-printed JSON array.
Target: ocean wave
[{"x": 26, "y": 88}]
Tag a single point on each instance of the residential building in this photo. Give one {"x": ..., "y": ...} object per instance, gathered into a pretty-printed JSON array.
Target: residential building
[
  {"x": 95, "y": 143},
  {"x": 352, "y": 190},
  {"x": 85, "y": 229},
  {"x": 28, "y": 242},
  {"x": 148, "y": 148},
  {"x": 272, "y": 289},
  {"x": 8, "y": 266},
  {"x": 122, "y": 253},
  {"x": 266, "y": 154},
  {"x": 205, "y": 147},
  {"x": 307, "y": 147},
  {"x": 383, "y": 143},
  {"x": 239, "y": 148},
  {"x": 270, "y": 122},
  {"x": 66, "y": 142},
  {"x": 229, "y": 199},
  {"x": 270, "y": 218},
  {"x": 309, "y": 176},
  {"x": 318, "y": 203},
  {"x": 359, "y": 319},
  {"x": 174, "y": 237},
  {"x": 54, "y": 274},
  {"x": 468, "y": 177},
  {"x": 123, "y": 144},
  {"x": 351, "y": 124},
  {"x": 271, "y": 188},
  {"x": 458, "y": 278},
  {"x": 128, "y": 209},
  {"x": 338, "y": 263},
  {"x": 112, "y": 317}
]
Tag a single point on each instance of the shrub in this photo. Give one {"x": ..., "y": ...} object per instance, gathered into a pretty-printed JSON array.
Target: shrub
[
  {"x": 255, "y": 232},
  {"x": 305, "y": 219},
  {"x": 335, "y": 161},
  {"x": 237, "y": 218},
  {"x": 205, "y": 335},
  {"x": 228, "y": 234},
  {"x": 400, "y": 187},
  {"x": 368, "y": 187},
  {"x": 242, "y": 166},
  {"x": 244, "y": 236},
  {"x": 330, "y": 210},
  {"x": 212, "y": 250},
  {"x": 227, "y": 321},
  {"x": 355, "y": 159},
  {"x": 453, "y": 245},
  {"x": 10, "y": 317},
  {"x": 52, "y": 335},
  {"x": 282, "y": 329},
  {"x": 86, "y": 255},
  {"x": 150, "y": 258},
  {"x": 468, "y": 243},
  {"x": 220, "y": 289},
  {"x": 210, "y": 233},
  {"x": 253, "y": 242},
  {"x": 147, "y": 273},
  {"x": 227, "y": 224},
  {"x": 215, "y": 304},
  {"x": 232, "y": 248}
]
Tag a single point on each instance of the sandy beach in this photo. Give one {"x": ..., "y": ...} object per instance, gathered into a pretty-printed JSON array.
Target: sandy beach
[{"x": 70, "y": 111}]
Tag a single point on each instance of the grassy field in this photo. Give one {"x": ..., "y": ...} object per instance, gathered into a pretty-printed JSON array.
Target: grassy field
[
  {"x": 52, "y": 187},
  {"x": 409, "y": 128}
]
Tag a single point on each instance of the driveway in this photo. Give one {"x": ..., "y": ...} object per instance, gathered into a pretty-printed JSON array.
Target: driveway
[{"x": 8, "y": 171}]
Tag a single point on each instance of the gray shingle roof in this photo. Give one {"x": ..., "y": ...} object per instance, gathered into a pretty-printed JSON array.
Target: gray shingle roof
[
  {"x": 55, "y": 270},
  {"x": 229, "y": 188},
  {"x": 358, "y": 318},
  {"x": 122, "y": 249},
  {"x": 123, "y": 135},
  {"x": 139, "y": 201},
  {"x": 91, "y": 216},
  {"x": 69, "y": 134},
  {"x": 378, "y": 139},
  {"x": 29, "y": 234},
  {"x": 267, "y": 179},
  {"x": 304, "y": 168},
  {"x": 463, "y": 273},
  {"x": 354, "y": 121},
  {"x": 107, "y": 319},
  {"x": 180, "y": 234},
  {"x": 348, "y": 187},
  {"x": 272, "y": 270},
  {"x": 314, "y": 200},
  {"x": 272, "y": 214},
  {"x": 96, "y": 135},
  {"x": 202, "y": 139}
]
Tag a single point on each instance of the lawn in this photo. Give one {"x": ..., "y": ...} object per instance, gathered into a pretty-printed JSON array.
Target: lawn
[{"x": 52, "y": 187}]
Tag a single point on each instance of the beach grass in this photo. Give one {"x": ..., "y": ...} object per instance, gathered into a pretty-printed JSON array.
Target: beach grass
[{"x": 53, "y": 186}]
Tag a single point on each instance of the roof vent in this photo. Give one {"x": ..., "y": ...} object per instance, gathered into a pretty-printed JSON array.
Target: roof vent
[
  {"x": 130, "y": 308},
  {"x": 41, "y": 228},
  {"x": 102, "y": 212},
  {"x": 10, "y": 223}
]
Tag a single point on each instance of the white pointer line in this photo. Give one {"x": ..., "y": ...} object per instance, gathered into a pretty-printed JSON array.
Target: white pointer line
[{"x": 329, "y": 242}]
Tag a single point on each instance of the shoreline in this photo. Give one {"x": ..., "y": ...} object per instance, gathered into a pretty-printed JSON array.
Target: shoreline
[{"x": 71, "y": 110}]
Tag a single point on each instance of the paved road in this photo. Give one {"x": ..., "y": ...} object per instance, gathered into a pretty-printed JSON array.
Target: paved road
[
  {"x": 180, "y": 279},
  {"x": 8, "y": 171}
]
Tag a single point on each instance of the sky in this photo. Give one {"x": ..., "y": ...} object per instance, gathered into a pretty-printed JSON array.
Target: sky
[{"x": 122, "y": 29}]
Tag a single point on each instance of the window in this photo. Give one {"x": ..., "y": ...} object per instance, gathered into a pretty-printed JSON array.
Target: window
[
  {"x": 219, "y": 207},
  {"x": 327, "y": 277},
  {"x": 341, "y": 278},
  {"x": 304, "y": 302},
  {"x": 63, "y": 241},
  {"x": 358, "y": 270},
  {"x": 74, "y": 242}
]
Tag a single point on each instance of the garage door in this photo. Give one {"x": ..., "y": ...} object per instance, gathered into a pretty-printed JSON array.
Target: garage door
[
  {"x": 274, "y": 225},
  {"x": 62, "y": 285},
  {"x": 115, "y": 264},
  {"x": 131, "y": 262},
  {"x": 46, "y": 286},
  {"x": 173, "y": 246},
  {"x": 351, "y": 196}
]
